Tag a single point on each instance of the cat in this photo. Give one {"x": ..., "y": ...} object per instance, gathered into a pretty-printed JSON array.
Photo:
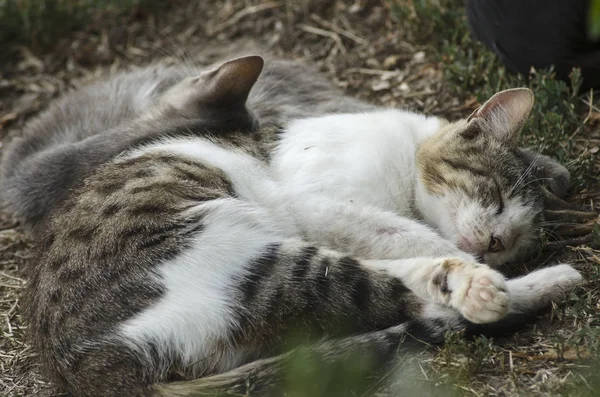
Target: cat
[
  {"x": 88, "y": 127},
  {"x": 181, "y": 266}
]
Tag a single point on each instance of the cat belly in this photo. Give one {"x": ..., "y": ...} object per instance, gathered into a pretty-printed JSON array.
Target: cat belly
[{"x": 195, "y": 318}]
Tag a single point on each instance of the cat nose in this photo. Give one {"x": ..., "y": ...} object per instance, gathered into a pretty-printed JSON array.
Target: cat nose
[{"x": 467, "y": 245}]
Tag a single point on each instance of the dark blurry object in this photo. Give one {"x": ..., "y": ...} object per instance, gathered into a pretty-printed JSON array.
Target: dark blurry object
[{"x": 538, "y": 33}]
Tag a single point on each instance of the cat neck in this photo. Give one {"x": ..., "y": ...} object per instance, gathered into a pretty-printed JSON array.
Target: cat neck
[{"x": 415, "y": 130}]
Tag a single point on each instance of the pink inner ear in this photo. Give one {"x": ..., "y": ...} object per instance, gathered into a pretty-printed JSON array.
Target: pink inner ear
[
  {"x": 515, "y": 104},
  {"x": 506, "y": 112},
  {"x": 474, "y": 114}
]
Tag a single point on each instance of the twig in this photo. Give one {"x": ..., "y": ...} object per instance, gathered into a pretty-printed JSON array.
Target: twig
[
  {"x": 338, "y": 30},
  {"x": 571, "y": 242},
  {"x": 241, "y": 14},
  {"x": 325, "y": 33},
  {"x": 3, "y": 274},
  {"x": 373, "y": 72},
  {"x": 417, "y": 94},
  {"x": 591, "y": 100},
  {"x": 575, "y": 230},
  {"x": 553, "y": 201},
  {"x": 570, "y": 216},
  {"x": 587, "y": 118}
]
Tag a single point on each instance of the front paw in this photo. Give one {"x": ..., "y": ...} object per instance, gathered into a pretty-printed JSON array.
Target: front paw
[
  {"x": 542, "y": 287},
  {"x": 475, "y": 290},
  {"x": 563, "y": 276}
]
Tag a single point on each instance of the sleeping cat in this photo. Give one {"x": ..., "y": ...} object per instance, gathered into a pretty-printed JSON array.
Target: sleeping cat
[
  {"x": 179, "y": 268},
  {"x": 89, "y": 127}
]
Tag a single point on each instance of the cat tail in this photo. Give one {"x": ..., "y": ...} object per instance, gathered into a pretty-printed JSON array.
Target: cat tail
[
  {"x": 332, "y": 367},
  {"x": 340, "y": 366}
]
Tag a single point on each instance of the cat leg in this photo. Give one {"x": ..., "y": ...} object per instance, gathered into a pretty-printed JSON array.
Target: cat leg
[
  {"x": 527, "y": 294},
  {"x": 479, "y": 293},
  {"x": 536, "y": 290},
  {"x": 476, "y": 291},
  {"x": 369, "y": 232}
]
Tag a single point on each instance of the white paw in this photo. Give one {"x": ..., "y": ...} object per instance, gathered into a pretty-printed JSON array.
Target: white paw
[
  {"x": 478, "y": 292},
  {"x": 562, "y": 276},
  {"x": 544, "y": 286}
]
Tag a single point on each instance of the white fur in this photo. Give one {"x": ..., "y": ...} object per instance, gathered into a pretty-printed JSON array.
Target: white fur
[
  {"x": 366, "y": 159},
  {"x": 349, "y": 182},
  {"x": 539, "y": 288},
  {"x": 197, "y": 310}
]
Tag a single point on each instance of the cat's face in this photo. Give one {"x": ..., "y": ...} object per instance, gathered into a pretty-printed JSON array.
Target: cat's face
[{"x": 474, "y": 186}]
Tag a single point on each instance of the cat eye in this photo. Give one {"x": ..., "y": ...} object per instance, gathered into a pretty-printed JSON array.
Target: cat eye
[{"x": 496, "y": 245}]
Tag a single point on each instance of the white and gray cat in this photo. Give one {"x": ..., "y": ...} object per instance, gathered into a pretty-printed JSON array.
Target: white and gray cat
[{"x": 178, "y": 267}]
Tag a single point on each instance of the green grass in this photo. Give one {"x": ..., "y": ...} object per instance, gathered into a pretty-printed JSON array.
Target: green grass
[{"x": 43, "y": 21}]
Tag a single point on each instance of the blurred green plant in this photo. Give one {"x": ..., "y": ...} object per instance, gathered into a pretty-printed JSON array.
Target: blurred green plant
[
  {"x": 593, "y": 22},
  {"x": 428, "y": 21}
]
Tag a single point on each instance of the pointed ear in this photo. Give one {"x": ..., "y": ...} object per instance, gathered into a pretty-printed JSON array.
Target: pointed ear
[
  {"x": 231, "y": 82},
  {"x": 227, "y": 87},
  {"x": 503, "y": 115}
]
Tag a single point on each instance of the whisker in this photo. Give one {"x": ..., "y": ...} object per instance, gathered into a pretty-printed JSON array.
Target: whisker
[{"x": 523, "y": 175}]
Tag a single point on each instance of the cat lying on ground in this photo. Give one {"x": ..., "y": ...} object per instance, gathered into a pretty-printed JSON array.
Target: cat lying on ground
[{"x": 178, "y": 268}]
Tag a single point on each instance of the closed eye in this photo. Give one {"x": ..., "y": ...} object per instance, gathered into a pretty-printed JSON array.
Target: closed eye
[{"x": 500, "y": 199}]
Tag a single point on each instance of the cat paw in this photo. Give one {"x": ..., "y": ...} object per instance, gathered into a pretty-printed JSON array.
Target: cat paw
[
  {"x": 542, "y": 287},
  {"x": 562, "y": 276},
  {"x": 478, "y": 292}
]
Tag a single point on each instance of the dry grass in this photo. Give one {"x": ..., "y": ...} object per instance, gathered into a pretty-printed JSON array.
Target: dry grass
[{"x": 412, "y": 54}]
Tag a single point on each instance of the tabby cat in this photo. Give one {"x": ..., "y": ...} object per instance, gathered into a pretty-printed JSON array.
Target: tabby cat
[{"x": 179, "y": 268}]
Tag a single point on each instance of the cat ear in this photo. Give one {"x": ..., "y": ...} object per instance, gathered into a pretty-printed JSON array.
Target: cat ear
[
  {"x": 226, "y": 86},
  {"x": 230, "y": 82},
  {"x": 503, "y": 115}
]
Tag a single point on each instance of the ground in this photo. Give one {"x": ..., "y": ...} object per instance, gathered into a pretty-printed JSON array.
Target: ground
[{"x": 407, "y": 53}]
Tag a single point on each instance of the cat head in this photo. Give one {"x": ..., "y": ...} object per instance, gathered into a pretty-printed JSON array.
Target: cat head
[
  {"x": 217, "y": 96},
  {"x": 476, "y": 186}
]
